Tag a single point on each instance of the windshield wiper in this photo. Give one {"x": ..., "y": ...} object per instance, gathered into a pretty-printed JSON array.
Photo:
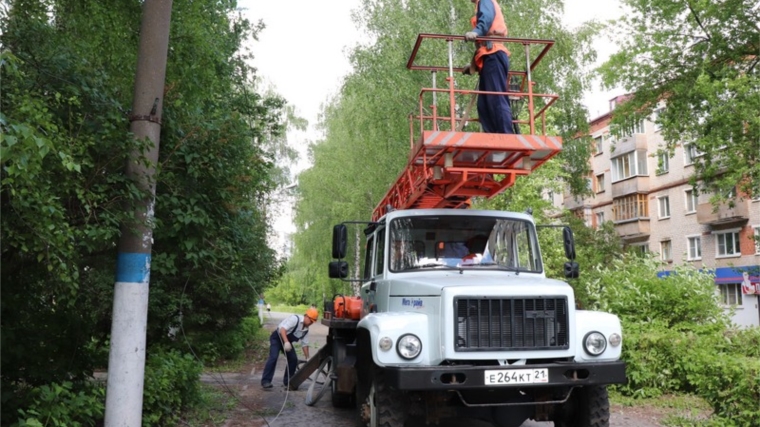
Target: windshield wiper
[
  {"x": 430, "y": 265},
  {"x": 498, "y": 267}
]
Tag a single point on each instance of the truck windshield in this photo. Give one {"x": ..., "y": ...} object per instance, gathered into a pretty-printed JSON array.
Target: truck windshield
[{"x": 429, "y": 242}]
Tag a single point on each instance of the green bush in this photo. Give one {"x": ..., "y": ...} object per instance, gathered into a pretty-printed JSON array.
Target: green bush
[
  {"x": 730, "y": 382},
  {"x": 65, "y": 404},
  {"x": 677, "y": 338},
  {"x": 171, "y": 384}
]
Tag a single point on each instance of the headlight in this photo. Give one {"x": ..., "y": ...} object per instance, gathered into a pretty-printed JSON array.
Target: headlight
[
  {"x": 615, "y": 339},
  {"x": 594, "y": 343},
  {"x": 385, "y": 343},
  {"x": 409, "y": 346}
]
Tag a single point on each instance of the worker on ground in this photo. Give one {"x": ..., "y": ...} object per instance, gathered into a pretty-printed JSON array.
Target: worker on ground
[
  {"x": 491, "y": 60},
  {"x": 293, "y": 329}
]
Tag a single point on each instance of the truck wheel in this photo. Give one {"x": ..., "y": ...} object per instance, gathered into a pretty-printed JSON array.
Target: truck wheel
[
  {"x": 378, "y": 406},
  {"x": 588, "y": 406}
]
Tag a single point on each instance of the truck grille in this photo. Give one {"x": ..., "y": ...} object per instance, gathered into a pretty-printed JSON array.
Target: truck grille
[{"x": 488, "y": 324}]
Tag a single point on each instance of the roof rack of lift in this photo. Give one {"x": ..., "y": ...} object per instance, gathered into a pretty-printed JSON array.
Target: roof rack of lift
[{"x": 448, "y": 165}]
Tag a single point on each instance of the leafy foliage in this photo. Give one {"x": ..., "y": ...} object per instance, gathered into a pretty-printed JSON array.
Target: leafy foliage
[
  {"x": 171, "y": 384},
  {"x": 63, "y": 405},
  {"x": 67, "y": 72},
  {"x": 366, "y": 143},
  {"x": 698, "y": 61}
]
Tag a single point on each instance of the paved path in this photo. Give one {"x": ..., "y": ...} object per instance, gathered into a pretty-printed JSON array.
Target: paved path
[{"x": 287, "y": 408}]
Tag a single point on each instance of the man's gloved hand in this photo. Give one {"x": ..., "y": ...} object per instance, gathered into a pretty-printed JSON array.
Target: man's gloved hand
[
  {"x": 470, "y": 36},
  {"x": 287, "y": 347}
]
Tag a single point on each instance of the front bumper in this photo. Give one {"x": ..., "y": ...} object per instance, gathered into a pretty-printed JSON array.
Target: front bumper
[{"x": 464, "y": 377}]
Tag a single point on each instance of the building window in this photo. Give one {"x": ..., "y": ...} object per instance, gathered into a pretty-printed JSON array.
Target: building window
[
  {"x": 655, "y": 118},
  {"x": 599, "y": 144},
  {"x": 691, "y": 201},
  {"x": 639, "y": 127},
  {"x": 666, "y": 250},
  {"x": 663, "y": 163},
  {"x": 630, "y": 207},
  {"x": 695, "y": 248},
  {"x": 727, "y": 243},
  {"x": 731, "y": 293},
  {"x": 757, "y": 240},
  {"x": 599, "y": 218},
  {"x": 628, "y": 165},
  {"x": 690, "y": 153},
  {"x": 663, "y": 204},
  {"x": 600, "y": 183}
]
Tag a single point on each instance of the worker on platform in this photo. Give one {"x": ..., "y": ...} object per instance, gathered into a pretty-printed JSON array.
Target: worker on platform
[
  {"x": 293, "y": 329},
  {"x": 491, "y": 60}
]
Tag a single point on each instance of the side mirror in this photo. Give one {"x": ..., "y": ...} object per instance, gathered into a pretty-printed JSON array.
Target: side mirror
[
  {"x": 569, "y": 243},
  {"x": 572, "y": 270},
  {"x": 338, "y": 270},
  {"x": 340, "y": 239}
]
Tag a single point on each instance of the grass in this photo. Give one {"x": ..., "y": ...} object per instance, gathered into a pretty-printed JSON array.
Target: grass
[
  {"x": 672, "y": 410},
  {"x": 212, "y": 410}
]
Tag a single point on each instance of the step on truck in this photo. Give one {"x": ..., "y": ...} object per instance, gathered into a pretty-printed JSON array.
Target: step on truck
[{"x": 455, "y": 316}]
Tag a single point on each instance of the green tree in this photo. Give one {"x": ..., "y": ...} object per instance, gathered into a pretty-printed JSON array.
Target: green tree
[
  {"x": 67, "y": 75},
  {"x": 366, "y": 127},
  {"x": 696, "y": 64}
]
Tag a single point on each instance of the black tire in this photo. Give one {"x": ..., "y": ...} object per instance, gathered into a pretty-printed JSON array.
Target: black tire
[
  {"x": 587, "y": 407},
  {"x": 378, "y": 404}
]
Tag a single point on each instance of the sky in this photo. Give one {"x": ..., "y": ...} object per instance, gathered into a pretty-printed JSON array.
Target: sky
[
  {"x": 310, "y": 71},
  {"x": 302, "y": 54}
]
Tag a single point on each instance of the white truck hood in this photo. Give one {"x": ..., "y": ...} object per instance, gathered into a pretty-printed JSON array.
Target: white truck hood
[{"x": 491, "y": 283}]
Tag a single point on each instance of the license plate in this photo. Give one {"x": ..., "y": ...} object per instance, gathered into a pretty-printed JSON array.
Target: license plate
[{"x": 516, "y": 376}]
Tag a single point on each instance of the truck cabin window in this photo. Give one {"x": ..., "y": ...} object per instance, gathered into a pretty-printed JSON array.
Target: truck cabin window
[{"x": 478, "y": 242}]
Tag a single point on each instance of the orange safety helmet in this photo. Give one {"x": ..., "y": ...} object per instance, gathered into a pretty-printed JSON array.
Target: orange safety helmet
[{"x": 312, "y": 313}]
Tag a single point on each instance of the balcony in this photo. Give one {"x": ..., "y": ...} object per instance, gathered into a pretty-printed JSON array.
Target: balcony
[
  {"x": 636, "y": 184},
  {"x": 637, "y": 141},
  {"x": 723, "y": 214},
  {"x": 634, "y": 230},
  {"x": 571, "y": 203}
]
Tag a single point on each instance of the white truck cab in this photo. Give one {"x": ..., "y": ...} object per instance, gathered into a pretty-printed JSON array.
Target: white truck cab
[{"x": 457, "y": 310}]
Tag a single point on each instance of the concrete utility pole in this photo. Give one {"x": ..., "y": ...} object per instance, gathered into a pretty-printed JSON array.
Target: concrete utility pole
[{"x": 126, "y": 360}]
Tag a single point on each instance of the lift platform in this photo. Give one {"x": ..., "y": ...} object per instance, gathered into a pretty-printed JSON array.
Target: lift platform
[{"x": 449, "y": 163}]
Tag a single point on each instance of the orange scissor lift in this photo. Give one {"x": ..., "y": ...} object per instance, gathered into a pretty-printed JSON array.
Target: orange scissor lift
[{"x": 448, "y": 166}]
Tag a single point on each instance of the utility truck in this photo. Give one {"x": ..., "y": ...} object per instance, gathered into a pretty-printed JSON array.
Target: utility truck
[{"x": 456, "y": 317}]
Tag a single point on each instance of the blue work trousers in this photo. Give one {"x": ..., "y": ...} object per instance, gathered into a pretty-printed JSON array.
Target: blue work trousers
[
  {"x": 493, "y": 110},
  {"x": 275, "y": 347}
]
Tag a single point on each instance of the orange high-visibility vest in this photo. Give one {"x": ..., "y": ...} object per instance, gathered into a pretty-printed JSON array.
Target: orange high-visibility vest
[{"x": 498, "y": 29}]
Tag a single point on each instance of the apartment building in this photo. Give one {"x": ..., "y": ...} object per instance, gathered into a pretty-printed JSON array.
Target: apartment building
[{"x": 654, "y": 208}]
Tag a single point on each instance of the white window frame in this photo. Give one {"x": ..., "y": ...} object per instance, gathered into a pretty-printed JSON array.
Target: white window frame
[
  {"x": 698, "y": 239},
  {"x": 599, "y": 144},
  {"x": 666, "y": 250},
  {"x": 729, "y": 291},
  {"x": 636, "y": 162},
  {"x": 690, "y": 195},
  {"x": 756, "y": 235},
  {"x": 663, "y": 207},
  {"x": 690, "y": 152},
  {"x": 599, "y": 219},
  {"x": 663, "y": 163},
  {"x": 599, "y": 182},
  {"x": 656, "y": 114},
  {"x": 722, "y": 235}
]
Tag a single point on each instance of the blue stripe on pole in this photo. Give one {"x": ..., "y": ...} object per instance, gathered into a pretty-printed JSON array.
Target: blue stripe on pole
[{"x": 133, "y": 268}]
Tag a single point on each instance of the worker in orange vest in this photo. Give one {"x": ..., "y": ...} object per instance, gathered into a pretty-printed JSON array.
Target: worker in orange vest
[{"x": 491, "y": 60}]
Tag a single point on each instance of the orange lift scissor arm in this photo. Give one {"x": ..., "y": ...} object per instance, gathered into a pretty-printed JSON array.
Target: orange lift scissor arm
[{"x": 447, "y": 166}]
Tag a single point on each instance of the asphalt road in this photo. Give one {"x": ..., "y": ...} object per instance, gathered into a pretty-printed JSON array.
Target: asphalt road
[{"x": 288, "y": 408}]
